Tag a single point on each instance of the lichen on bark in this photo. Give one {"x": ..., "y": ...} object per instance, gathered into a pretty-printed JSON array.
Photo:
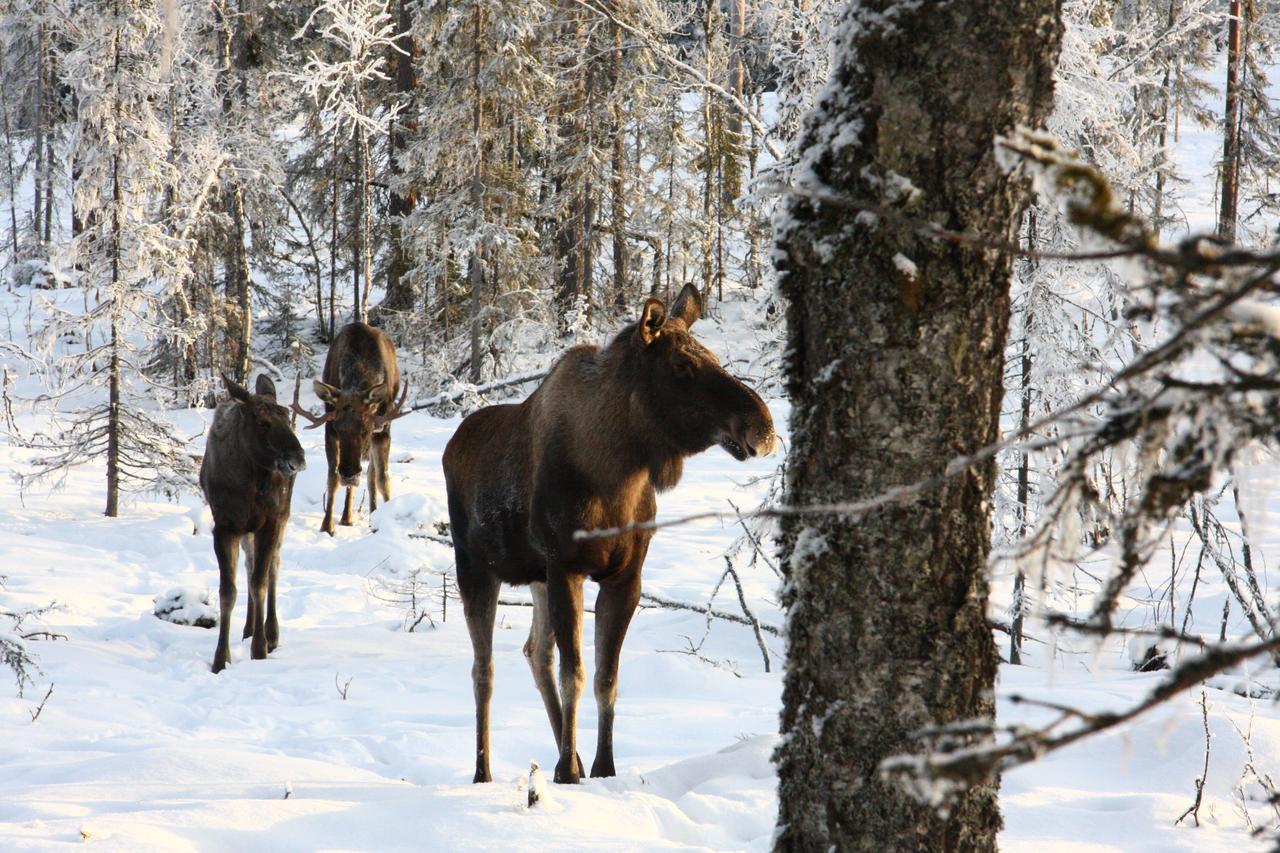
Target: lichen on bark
[{"x": 887, "y": 627}]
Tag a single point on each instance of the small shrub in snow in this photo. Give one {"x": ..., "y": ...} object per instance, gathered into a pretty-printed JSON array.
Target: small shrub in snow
[{"x": 186, "y": 607}]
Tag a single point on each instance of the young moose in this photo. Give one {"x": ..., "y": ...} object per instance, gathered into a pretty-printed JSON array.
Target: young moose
[
  {"x": 589, "y": 449},
  {"x": 250, "y": 460},
  {"x": 361, "y": 379}
]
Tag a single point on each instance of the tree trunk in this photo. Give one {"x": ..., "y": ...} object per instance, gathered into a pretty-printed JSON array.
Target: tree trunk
[
  {"x": 403, "y": 199},
  {"x": 1231, "y": 131},
  {"x": 113, "y": 378},
  {"x": 894, "y": 369},
  {"x": 237, "y": 268},
  {"x": 11, "y": 178},
  {"x": 477, "y": 198},
  {"x": 37, "y": 180},
  {"x": 618, "y": 170}
]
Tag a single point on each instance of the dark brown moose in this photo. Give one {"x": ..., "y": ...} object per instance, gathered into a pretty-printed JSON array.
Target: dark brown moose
[
  {"x": 589, "y": 449},
  {"x": 360, "y": 382},
  {"x": 250, "y": 460}
]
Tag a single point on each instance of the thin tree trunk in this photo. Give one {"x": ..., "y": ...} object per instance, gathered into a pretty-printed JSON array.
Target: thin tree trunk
[
  {"x": 403, "y": 199},
  {"x": 366, "y": 221},
  {"x": 618, "y": 174},
  {"x": 37, "y": 188},
  {"x": 333, "y": 240},
  {"x": 12, "y": 177},
  {"x": 1231, "y": 131},
  {"x": 113, "y": 379},
  {"x": 477, "y": 196},
  {"x": 891, "y": 376},
  {"x": 238, "y": 282},
  {"x": 49, "y": 73}
]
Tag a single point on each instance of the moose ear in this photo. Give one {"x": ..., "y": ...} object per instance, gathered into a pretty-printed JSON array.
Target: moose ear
[
  {"x": 327, "y": 393},
  {"x": 374, "y": 394},
  {"x": 688, "y": 305},
  {"x": 235, "y": 389},
  {"x": 651, "y": 320},
  {"x": 264, "y": 387}
]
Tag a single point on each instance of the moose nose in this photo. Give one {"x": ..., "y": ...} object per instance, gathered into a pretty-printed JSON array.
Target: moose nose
[
  {"x": 762, "y": 445},
  {"x": 351, "y": 479}
]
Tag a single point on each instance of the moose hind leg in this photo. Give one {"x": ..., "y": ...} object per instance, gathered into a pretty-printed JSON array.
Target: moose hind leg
[
  {"x": 224, "y": 548},
  {"x": 540, "y": 651},
  {"x": 480, "y": 605},
  {"x": 615, "y": 604},
  {"x": 246, "y": 545}
]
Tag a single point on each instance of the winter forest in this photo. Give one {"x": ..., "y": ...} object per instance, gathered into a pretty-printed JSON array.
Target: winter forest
[{"x": 924, "y": 355}]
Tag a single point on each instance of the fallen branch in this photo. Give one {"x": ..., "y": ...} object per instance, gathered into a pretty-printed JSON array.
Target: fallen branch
[
  {"x": 454, "y": 396},
  {"x": 673, "y": 604}
]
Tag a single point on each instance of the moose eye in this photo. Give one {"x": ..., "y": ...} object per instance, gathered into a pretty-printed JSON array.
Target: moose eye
[{"x": 685, "y": 368}]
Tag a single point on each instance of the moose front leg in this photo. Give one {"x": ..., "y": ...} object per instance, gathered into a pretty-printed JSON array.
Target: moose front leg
[
  {"x": 615, "y": 605},
  {"x": 331, "y": 490},
  {"x": 224, "y": 548},
  {"x": 564, "y": 595},
  {"x": 273, "y": 622},
  {"x": 346, "y": 519},
  {"x": 266, "y": 544}
]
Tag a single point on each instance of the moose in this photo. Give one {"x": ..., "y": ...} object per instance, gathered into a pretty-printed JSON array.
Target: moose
[
  {"x": 358, "y": 388},
  {"x": 250, "y": 461},
  {"x": 605, "y": 431}
]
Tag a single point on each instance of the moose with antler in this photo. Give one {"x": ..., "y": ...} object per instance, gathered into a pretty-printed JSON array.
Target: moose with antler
[
  {"x": 358, "y": 388},
  {"x": 589, "y": 449}
]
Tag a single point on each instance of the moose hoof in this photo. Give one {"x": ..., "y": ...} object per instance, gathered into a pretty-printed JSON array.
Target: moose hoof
[
  {"x": 481, "y": 777},
  {"x": 602, "y": 768},
  {"x": 569, "y": 775},
  {"x": 219, "y": 666}
]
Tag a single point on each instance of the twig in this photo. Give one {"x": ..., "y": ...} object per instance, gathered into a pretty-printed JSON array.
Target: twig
[
  {"x": 35, "y": 715},
  {"x": 1194, "y": 810},
  {"x": 746, "y": 611},
  {"x": 342, "y": 687}
]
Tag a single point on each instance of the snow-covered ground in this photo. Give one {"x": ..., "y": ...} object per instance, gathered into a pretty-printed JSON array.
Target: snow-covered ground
[{"x": 357, "y": 734}]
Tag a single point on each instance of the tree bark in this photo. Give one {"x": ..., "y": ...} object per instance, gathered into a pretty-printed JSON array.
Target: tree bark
[
  {"x": 894, "y": 368},
  {"x": 403, "y": 198},
  {"x": 1231, "y": 130}
]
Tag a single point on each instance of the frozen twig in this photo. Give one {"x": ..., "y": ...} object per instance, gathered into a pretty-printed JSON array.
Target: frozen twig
[{"x": 1194, "y": 810}]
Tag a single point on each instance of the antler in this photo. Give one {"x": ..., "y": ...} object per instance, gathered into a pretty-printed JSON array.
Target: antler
[
  {"x": 297, "y": 409},
  {"x": 397, "y": 411}
]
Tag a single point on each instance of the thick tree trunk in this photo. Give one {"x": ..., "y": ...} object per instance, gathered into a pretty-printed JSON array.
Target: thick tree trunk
[{"x": 895, "y": 368}]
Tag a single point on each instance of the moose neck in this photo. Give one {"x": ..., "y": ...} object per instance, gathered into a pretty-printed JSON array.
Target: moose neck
[{"x": 618, "y": 440}]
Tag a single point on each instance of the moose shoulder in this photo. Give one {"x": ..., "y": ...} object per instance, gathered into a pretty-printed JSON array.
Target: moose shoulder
[
  {"x": 358, "y": 387},
  {"x": 250, "y": 461},
  {"x": 590, "y": 448}
]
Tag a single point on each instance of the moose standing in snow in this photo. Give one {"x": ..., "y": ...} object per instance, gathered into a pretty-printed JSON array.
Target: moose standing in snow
[
  {"x": 359, "y": 387},
  {"x": 590, "y": 448},
  {"x": 250, "y": 461}
]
